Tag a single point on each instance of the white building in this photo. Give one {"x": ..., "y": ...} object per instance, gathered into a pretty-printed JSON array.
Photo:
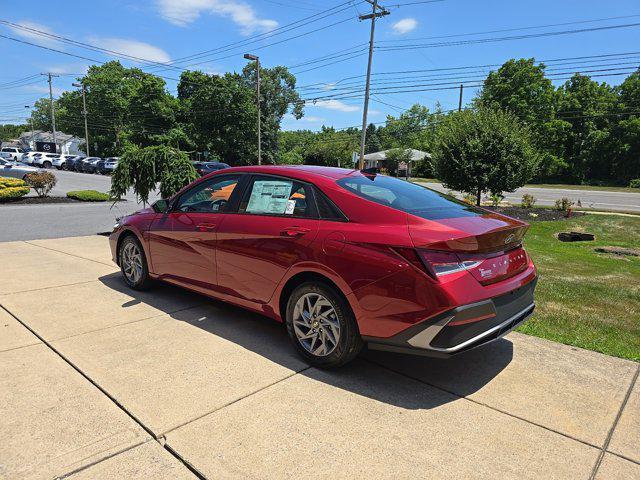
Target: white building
[
  {"x": 377, "y": 159},
  {"x": 67, "y": 144}
]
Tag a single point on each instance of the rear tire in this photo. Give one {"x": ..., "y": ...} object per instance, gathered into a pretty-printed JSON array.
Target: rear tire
[
  {"x": 46, "y": 165},
  {"x": 133, "y": 264},
  {"x": 322, "y": 326}
]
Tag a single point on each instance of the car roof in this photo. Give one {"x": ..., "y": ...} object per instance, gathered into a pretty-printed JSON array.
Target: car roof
[{"x": 299, "y": 171}]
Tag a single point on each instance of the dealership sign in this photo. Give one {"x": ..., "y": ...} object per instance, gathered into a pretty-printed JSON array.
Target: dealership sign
[{"x": 47, "y": 147}]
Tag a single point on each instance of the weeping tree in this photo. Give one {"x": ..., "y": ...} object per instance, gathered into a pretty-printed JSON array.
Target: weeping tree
[{"x": 149, "y": 169}]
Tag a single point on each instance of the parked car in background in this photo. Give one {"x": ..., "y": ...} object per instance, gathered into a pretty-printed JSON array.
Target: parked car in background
[
  {"x": 203, "y": 168},
  {"x": 90, "y": 164},
  {"x": 44, "y": 160},
  {"x": 27, "y": 158},
  {"x": 106, "y": 166},
  {"x": 15, "y": 152},
  {"x": 15, "y": 169},
  {"x": 72, "y": 162},
  {"x": 343, "y": 258},
  {"x": 61, "y": 162}
]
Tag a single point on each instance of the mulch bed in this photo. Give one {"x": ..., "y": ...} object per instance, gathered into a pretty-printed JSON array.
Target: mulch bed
[{"x": 539, "y": 214}]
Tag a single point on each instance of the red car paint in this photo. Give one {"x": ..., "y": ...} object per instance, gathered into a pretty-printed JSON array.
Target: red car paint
[{"x": 248, "y": 260}]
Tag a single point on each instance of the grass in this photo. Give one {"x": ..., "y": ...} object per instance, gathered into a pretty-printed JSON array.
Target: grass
[
  {"x": 587, "y": 299},
  {"x": 89, "y": 196}
]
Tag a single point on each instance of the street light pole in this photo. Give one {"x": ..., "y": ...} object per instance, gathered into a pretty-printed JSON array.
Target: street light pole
[
  {"x": 256, "y": 59},
  {"x": 373, "y": 16},
  {"x": 84, "y": 113}
]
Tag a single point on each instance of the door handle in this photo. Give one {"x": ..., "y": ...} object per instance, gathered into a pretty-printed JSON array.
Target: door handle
[
  {"x": 206, "y": 227},
  {"x": 294, "y": 231}
]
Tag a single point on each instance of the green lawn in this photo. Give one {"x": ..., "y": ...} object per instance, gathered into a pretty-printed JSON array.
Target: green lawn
[
  {"x": 587, "y": 299},
  {"x": 585, "y": 187}
]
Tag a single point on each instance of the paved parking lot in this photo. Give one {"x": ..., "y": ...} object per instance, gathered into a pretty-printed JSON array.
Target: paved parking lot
[{"x": 97, "y": 381}]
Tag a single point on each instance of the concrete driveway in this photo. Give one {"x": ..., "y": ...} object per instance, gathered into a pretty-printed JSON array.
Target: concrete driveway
[{"x": 97, "y": 381}]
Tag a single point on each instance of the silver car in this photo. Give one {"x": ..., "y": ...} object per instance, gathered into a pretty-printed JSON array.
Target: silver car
[{"x": 15, "y": 169}]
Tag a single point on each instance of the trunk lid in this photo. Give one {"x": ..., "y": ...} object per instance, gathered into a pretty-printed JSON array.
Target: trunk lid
[{"x": 486, "y": 233}]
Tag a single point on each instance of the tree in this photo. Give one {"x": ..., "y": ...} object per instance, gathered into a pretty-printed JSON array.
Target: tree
[
  {"x": 585, "y": 105},
  {"x": 144, "y": 168},
  {"x": 9, "y": 131},
  {"x": 395, "y": 157},
  {"x": 409, "y": 130},
  {"x": 481, "y": 151},
  {"x": 41, "y": 115},
  {"x": 220, "y": 115},
  {"x": 126, "y": 107},
  {"x": 520, "y": 87},
  {"x": 332, "y": 148},
  {"x": 373, "y": 143}
]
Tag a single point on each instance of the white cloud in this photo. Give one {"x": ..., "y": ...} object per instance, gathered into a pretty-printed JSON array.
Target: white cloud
[
  {"x": 329, "y": 86},
  {"x": 312, "y": 119},
  {"x": 405, "y": 25},
  {"x": 133, "y": 48},
  {"x": 183, "y": 12},
  {"x": 57, "y": 91},
  {"x": 72, "y": 68},
  {"x": 34, "y": 36},
  {"x": 335, "y": 105}
]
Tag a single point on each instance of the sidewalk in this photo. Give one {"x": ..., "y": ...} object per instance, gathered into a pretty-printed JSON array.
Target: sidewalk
[{"x": 98, "y": 381}]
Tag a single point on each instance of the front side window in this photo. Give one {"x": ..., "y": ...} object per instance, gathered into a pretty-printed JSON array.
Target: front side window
[
  {"x": 277, "y": 196},
  {"x": 408, "y": 197},
  {"x": 211, "y": 196}
]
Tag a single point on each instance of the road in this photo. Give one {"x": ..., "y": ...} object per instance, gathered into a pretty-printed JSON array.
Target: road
[
  {"x": 29, "y": 222},
  {"x": 590, "y": 199}
]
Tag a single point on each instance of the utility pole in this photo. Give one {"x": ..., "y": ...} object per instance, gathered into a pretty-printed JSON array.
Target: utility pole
[
  {"x": 84, "y": 112},
  {"x": 377, "y": 11},
  {"x": 53, "y": 112},
  {"x": 256, "y": 59},
  {"x": 460, "y": 101}
]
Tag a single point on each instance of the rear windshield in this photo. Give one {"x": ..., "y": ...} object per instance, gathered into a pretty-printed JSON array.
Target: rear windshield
[{"x": 408, "y": 197}]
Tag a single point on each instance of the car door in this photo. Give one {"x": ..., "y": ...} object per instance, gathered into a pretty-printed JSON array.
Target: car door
[
  {"x": 9, "y": 170},
  {"x": 182, "y": 241},
  {"x": 273, "y": 228}
]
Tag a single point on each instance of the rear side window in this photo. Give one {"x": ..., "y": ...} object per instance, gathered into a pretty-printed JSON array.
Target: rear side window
[
  {"x": 327, "y": 210},
  {"x": 408, "y": 197}
]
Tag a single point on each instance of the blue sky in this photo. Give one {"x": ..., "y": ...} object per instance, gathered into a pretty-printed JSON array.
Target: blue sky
[{"x": 166, "y": 30}]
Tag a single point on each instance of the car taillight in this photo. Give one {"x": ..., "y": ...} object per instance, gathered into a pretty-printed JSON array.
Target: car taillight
[
  {"x": 444, "y": 263},
  {"x": 485, "y": 268}
]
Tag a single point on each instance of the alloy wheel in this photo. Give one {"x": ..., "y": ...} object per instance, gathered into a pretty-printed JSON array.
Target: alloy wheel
[
  {"x": 316, "y": 324},
  {"x": 132, "y": 262}
]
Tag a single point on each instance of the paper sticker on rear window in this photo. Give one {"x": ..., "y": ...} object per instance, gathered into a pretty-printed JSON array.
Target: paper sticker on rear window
[{"x": 269, "y": 196}]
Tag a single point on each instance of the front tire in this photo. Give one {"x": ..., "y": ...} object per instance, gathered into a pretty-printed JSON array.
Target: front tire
[
  {"x": 321, "y": 325},
  {"x": 133, "y": 264}
]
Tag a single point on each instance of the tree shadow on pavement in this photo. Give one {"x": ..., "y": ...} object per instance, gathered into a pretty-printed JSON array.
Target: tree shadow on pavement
[{"x": 402, "y": 380}]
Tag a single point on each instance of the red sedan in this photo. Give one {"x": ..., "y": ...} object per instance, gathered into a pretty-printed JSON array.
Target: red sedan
[{"x": 344, "y": 258}]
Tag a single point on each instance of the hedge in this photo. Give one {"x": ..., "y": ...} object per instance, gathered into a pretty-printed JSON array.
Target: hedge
[
  {"x": 11, "y": 188},
  {"x": 89, "y": 196}
]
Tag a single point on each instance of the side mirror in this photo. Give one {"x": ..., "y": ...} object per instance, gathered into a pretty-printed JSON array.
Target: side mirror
[{"x": 160, "y": 206}]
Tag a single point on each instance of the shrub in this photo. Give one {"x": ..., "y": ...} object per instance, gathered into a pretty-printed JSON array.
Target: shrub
[
  {"x": 89, "y": 196},
  {"x": 470, "y": 199},
  {"x": 41, "y": 182},
  {"x": 11, "y": 188},
  {"x": 635, "y": 183},
  {"x": 564, "y": 204},
  {"x": 528, "y": 201},
  {"x": 11, "y": 182},
  {"x": 496, "y": 198}
]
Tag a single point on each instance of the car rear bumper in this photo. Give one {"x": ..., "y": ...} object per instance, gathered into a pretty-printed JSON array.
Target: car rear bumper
[{"x": 463, "y": 328}]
